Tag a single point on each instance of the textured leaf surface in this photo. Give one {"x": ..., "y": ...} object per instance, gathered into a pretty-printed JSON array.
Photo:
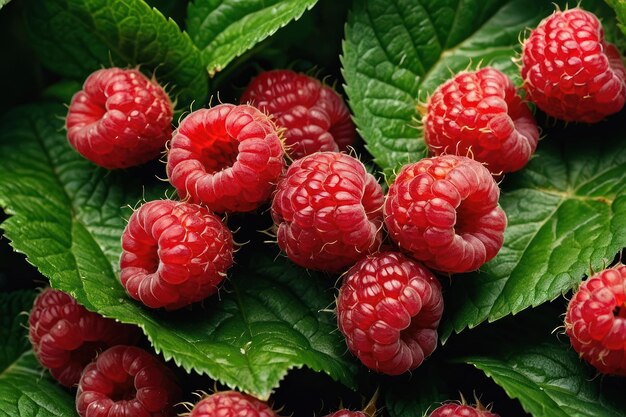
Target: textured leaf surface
[
  {"x": 550, "y": 380},
  {"x": 225, "y": 29},
  {"x": 397, "y": 52},
  {"x": 14, "y": 325},
  {"x": 26, "y": 391},
  {"x": 75, "y": 38},
  {"x": 68, "y": 219},
  {"x": 566, "y": 213}
]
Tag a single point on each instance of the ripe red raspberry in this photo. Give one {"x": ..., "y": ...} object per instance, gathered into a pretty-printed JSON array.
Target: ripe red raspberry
[
  {"x": 127, "y": 381},
  {"x": 228, "y": 158},
  {"x": 315, "y": 117},
  {"x": 461, "y": 410},
  {"x": 596, "y": 320},
  {"x": 174, "y": 254},
  {"x": 119, "y": 119},
  {"x": 569, "y": 70},
  {"x": 444, "y": 212},
  {"x": 388, "y": 309},
  {"x": 327, "y": 211},
  {"x": 231, "y": 404},
  {"x": 347, "y": 413},
  {"x": 480, "y": 112},
  {"x": 66, "y": 337}
]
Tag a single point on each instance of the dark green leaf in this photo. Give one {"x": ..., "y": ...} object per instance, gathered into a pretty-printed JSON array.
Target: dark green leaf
[
  {"x": 75, "y": 38},
  {"x": 225, "y": 29},
  {"x": 26, "y": 391},
  {"x": 14, "y": 307},
  {"x": 566, "y": 212},
  {"x": 68, "y": 219},
  {"x": 550, "y": 380}
]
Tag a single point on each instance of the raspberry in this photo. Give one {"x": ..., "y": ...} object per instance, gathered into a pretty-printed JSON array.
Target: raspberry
[
  {"x": 174, "y": 254},
  {"x": 596, "y": 321},
  {"x": 347, "y": 413},
  {"x": 227, "y": 157},
  {"x": 480, "y": 112},
  {"x": 231, "y": 404},
  {"x": 327, "y": 211},
  {"x": 315, "y": 117},
  {"x": 444, "y": 212},
  {"x": 461, "y": 410},
  {"x": 66, "y": 337},
  {"x": 569, "y": 71},
  {"x": 119, "y": 119},
  {"x": 127, "y": 381},
  {"x": 388, "y": 309}
]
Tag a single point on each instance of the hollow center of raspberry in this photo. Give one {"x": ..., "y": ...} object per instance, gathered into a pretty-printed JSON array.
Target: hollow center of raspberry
[
  {"x": 222, "y": 153},
  {"x": 466, "y": 217},
  {"x": 124, "y": 391}
]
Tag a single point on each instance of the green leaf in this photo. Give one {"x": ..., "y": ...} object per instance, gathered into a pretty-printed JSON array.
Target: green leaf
[
  {"x": 75, "y": 38},
  {"x": 14, "y": 325},
  {"x": 550, "y": 380},
  {"x": 26, "y": 391},
  {"x": 68, "y": 219},
  {"x": 620, "y": 10},
  {"x": 396, "y": 53},
  {"x": 566, "y": 214},
  {"x": 225, "y": 29}
]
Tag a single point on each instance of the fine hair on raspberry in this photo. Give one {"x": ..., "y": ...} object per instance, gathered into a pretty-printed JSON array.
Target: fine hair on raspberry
[
  {"x": 596, "y": 320},
  {"x": 327, "y": 211},
  {"x": 444, "y": 212},
  {"x": 231, "y": 403},
  {"x": 570, "y": 71},
  {"x": 127, "y": 381},
  {"x": 66, "y": 336},
  {"x": 480, "y": 112},
  {"x": 388, "y": 308},
  {"x": 315, "y": 117},
  {"x": 174, "y": 254},
  {"x": 227, "y": 158},
  {"x": 119, "y": 119}
]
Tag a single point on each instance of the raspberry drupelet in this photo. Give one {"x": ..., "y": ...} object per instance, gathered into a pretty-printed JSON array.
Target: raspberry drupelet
[
  {"x": 596, "y": 320},
  {"x": 231, "y": 404},
  {"x": 388, "y": 309},
  {"x": 174, "y": 254},
  {"x": 315, "y": 116},
  {"x": 569, "y": 70},
  {"x": 444, "y": 212},
  {"x": 327, "y": 211},
  {"x": 480, "y": 113},
  {"x": 461, "y": 410},
  {"x": 65, "y": 336},
  {"x": 127, "y": 381},
  {"x": 119, "y": 119},
  {"x": 228, "y": 158}
]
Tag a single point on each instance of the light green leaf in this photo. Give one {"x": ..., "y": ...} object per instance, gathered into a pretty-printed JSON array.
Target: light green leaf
[
  {"x": 550, "y": 380},
  {"x": 67, "y": 217},
  {"x": 14, "y": 307},
  {"x": 566, "y": 214},
  {"x": 26, "y": 391},
  {"x": 225, "y": 29},
  {"x": 397, "y": 52},
  {"x": 75, "y": 38}
]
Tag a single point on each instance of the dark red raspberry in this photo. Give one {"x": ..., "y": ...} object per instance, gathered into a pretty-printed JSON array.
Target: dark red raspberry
[
  {"x": 174, "y": 254},
  {"x": 327, "y": 211},
  {"x": 228, "y": 158},
  {"x": 444, "y": 211},
  {"x": 315, "y": 117},
  {"x": 231, "y": 404},
  {"x": 596, "y": 320},
  {"x": 347, "y": 413},
  {"x": 119, "y": 119},
  {"x": 461, "y": 410},
  {"x": 569, "y": 70},
  {"x": 480, "y": 113},
  {"x": 127, "y": 381},
  {"x": 66, "y": 337},
  {"x": 388, "y": 309}
]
